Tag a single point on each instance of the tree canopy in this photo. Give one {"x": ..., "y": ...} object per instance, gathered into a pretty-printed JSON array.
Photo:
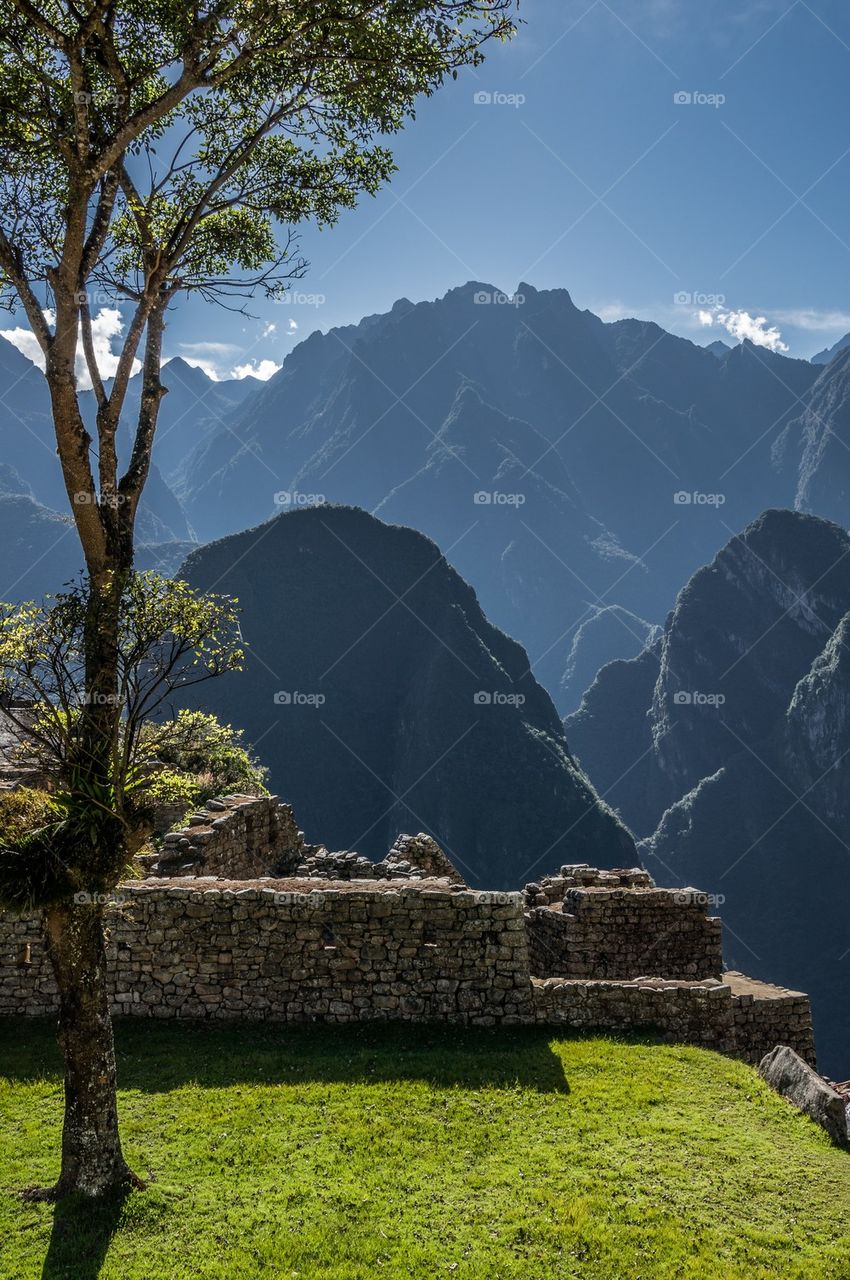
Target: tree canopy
[
  {"x": 168, "y": 639},
  {"x": 148, "y": 148}
]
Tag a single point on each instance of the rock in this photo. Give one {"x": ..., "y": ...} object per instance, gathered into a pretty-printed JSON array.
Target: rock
[{"x": 785, "y": 1071}]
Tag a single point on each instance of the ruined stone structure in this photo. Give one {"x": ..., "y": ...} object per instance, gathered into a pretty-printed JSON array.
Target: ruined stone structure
[
  {"x": 241, "y": 837},
  {"x": 238, "y": 918},
  {"x": 236, "y": 836},
  {"x": 621, "y": 933}
]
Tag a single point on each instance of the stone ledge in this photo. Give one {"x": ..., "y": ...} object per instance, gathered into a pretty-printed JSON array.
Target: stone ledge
[{"x": 744, "y": 987}]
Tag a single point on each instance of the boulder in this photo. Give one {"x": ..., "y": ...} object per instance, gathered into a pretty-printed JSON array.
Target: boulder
[{"x": 785, "y": 1071}]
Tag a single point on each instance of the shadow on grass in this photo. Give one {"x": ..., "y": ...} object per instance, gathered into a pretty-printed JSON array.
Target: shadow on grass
[
  {"x": 155, "y": 1057},
  {"x": 81, "y": 1235}
]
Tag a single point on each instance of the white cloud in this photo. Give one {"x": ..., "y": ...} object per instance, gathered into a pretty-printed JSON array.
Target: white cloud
[
  {"x": 206, "y": 366},
  {"x": 27, "y": 343},
  {"x": 215, "y": 359},
  {"x": 741, "y": 325},
  {"x": 610, "y": 311},
  {"x": 269, "y": 329},
  {"x": 106, "y": 325},
  {"x": 208, "y": 349},
  {"x": 262, "y": 369},
  {"x": 815, "y": 321}
]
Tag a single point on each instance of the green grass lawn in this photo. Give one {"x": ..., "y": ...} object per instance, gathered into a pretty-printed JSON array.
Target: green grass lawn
[{"x": 347, "y": 1154}]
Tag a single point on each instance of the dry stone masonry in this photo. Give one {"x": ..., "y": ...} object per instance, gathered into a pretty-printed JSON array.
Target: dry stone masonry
[
  {"x": 625, "y": 932},
  {"x": 242, "y": 836},
  {"x": 237, "y": 836},
  {"x": 237, "y": 917},
  {"x": 299, "y": 950}
]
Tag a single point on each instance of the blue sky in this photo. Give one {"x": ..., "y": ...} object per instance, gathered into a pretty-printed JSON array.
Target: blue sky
[{"x": 583, "y": 171}]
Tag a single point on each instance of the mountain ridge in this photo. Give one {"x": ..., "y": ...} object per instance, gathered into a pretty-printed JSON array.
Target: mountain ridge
[{"x": 419, "y": 709}]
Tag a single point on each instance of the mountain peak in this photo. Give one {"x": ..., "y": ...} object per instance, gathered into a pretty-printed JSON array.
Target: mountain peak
[
  {"x": 718, "y": 348},
  {"x": 829, "y": 353},
  {"x": 469, "y": 292},
  {"x": 338, "y": 563},
  {"x": 183, "y": 369}
]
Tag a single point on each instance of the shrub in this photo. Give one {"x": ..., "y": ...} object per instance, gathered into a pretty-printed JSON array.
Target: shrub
[
  {"x": 202, "y": 759},
  {"x": 25, "y": 810}
]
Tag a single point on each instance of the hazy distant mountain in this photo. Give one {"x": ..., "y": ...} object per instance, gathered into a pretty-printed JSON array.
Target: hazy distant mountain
[
  {"x": 632, "y": 413},
  {"x": 814, "y": 449},
  {"x": 194, "y": 408},
  {"x": 384, "y": 700},
  {"x": 824, "y": 357},
  {"x": 27, "y": 443},
  {"x": 537, "y": 558},
  {"x": 725, "y": 745},
  {"x": 608, "y": 634},
  {"x": 41, "y": 550},
  {"x": 718, "y": 348},
  {"x": 632, "y": 451},
  {"x": 576, "y": 472}
]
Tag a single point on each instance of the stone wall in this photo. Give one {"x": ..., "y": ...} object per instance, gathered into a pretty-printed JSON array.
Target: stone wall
[
  {"x": 690, "y": 1012},
  {"x": 295, "y": 951},
  {"x": 766, "y": 1015},
  {"x": 410, "y": 858},
  {"x": 709, "y": 1014},
  {"x": 626, "y": 933},
  {"x": 550, "y": 890},
  {"x": 236, "y": 836},
  {"x": 244, "y": 837},
  {"x": 306, "y": 949}
]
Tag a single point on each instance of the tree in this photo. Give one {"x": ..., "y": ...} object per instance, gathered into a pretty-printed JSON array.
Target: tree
[
  {"x": 64, "y": 865},
  {"x": 148, "y": 150}
]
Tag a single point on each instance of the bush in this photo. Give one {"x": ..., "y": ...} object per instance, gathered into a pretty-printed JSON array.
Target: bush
[
  {"x": 202, "y": 759},
  {"x": 25, "y": 810},
  {"x": 169, "y": 786}
]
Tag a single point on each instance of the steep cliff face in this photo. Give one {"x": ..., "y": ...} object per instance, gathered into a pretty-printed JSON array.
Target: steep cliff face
[
  {"x": 383, "y": 700},
  {"x": 744, "y": 631},
  {"x": 817, "y": 444},
  {"x": 817, "y": 727},
  {"x": 608, "y": 634},
  {"x": 738, "y": 775},
  {"x": 611, "y": 735},
  {"x": 524, "y": 537}
]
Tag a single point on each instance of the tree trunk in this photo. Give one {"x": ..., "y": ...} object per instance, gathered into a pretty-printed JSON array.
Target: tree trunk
[{"x": 92, "y": 1160}]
